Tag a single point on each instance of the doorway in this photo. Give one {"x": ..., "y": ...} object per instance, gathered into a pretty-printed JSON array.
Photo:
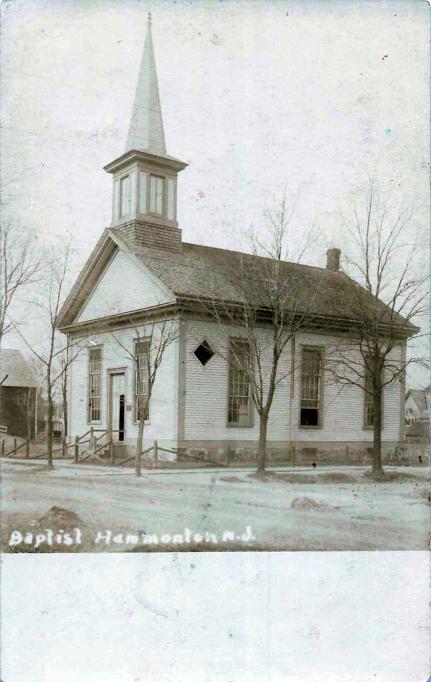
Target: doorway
[{"x": 117, "y": 405}]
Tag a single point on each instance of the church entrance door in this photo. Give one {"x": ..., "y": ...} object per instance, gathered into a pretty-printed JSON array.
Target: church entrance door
[{"x": 117, "y": 405}]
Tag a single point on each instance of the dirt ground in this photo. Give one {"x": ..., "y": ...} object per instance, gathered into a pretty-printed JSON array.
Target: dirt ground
[{"x": 332, "y": 508}]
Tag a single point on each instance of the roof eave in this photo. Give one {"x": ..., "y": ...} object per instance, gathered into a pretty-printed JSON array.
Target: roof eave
[
  {"x": 103, "y": 324},
  {"x": 147, "y": 157},
  {"x": 324, "y": 321}
]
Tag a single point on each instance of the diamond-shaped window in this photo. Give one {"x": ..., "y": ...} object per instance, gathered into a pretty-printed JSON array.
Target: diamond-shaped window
[{"x": 204, "y": 353}]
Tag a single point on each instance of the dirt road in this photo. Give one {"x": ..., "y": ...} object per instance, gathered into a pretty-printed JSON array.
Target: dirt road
[{"x": 353, "y": 513}]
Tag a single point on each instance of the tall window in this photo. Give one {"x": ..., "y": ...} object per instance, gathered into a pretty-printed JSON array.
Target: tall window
[
  {"x": 368, "y": 399},
  {"x": 142, "y": 192},
  {"x": 94, "y": 384},
  {"x": 311, "y": 379},
  {"x": 156, "y": 194},
  {"x": 124, "y": 196},
  {"x": 239, "y": 412},
  {"x": 171, "y": 199},
  {"x": 142, "y": 350}
]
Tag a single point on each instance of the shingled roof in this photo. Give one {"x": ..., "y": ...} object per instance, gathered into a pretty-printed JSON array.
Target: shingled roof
[{"x": 206, "y": 273}]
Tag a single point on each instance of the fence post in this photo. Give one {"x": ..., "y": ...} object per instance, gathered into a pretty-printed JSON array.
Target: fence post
[
  {"x": 156, "y": 452},
  {"x": 138, "y": 467},
  {"x": 76, "y": 450},
  {"x": 27, "y": 448},
  {"x": 14, "y": 444},
  {"x": 92, "y": 438},
  {"x": 111, "y": 450},
  {"x": 228, "y": 456},
  {"x": 64, "y": 447},
  {"x": 2, "y": 447}
]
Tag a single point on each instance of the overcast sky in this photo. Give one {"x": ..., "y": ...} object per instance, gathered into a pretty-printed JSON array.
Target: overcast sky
[{"x": 255, "y": 95}]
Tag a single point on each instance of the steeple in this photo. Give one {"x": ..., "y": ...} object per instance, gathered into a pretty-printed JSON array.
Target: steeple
[
  {"x": 146, "y": 125},
  {"x": 144, "y": 205}
]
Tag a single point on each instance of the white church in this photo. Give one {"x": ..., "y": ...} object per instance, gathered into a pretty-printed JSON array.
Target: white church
[{"x": 141, "y": 271}]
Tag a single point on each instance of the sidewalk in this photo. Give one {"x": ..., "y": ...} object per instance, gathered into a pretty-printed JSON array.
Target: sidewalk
[
  {"x": 108, "y": 470},
  {"x": 104, "y": 469}
]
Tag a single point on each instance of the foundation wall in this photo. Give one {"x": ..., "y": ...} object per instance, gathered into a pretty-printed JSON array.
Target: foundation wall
[
  {"x": 299, "y": 453},
  {"x": 234, "y": 453}
]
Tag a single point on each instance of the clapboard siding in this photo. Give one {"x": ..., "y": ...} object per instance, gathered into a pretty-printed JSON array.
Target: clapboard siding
[
  {"x": 124, "y": 286},
  {"x": 206, "y": 397},
  {"x": 343, "y": 408},
  {"x": 163, "y": 408},
  {"x": 206, "y": 392}
]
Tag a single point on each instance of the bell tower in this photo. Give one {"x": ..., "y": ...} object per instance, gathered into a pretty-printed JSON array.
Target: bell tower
[{"x": 144, "y": 204}]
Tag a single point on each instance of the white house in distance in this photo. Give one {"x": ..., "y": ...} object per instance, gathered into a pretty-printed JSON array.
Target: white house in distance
[
  {"x": 141, "y": 270},
  {"x": 418, "y": 404},
  {"x": 418, "y": 414}
]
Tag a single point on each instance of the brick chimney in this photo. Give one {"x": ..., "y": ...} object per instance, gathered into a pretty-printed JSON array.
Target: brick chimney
[{"x": 333, "y": 259}]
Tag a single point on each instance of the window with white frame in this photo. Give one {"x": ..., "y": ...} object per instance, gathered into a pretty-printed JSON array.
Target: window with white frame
[
  {"x": 311, "y": 389},
  {"x": 142, "y": 192},
  {"x": 124, "y": 196},
  {"x": 239, "y": 405},
  {"x": 94, "y": 384},
  {"x": 368, "y": 399},
  {"x": 171, "y": 199},
  {"x": 156, "y": 194},
  {"x": 142, "y": 373}
]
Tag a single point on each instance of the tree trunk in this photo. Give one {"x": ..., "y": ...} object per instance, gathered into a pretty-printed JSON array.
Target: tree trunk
[
  {"x": 28, "y": 413},
  {"x": 49, "y": 417},
  {"x": 64, "y": 396},
  {"x": 377, "y": 468},
  {"x": 261, "y": 454},
  {"x": 35, "y": 413},
  {"x": 139, "y": 446},
  {"x": 2, "y": 316}
]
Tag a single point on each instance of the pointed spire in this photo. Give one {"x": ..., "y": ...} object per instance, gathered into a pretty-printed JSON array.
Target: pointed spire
[{"x": 146, "y": 126}]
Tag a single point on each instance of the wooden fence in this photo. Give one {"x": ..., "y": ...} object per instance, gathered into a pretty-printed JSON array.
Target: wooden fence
[
  {"x": 26, "y": 444},
  {"x": 98, "y": 445}
]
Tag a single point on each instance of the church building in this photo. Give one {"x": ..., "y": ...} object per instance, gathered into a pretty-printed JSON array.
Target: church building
[{"x": 141, "y": 271}]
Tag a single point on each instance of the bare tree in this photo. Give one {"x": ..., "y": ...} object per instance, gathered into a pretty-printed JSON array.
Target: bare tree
[
  {"x": 20, "y": 265},
  {"x": 55, "y": 355},
  {"x": 273, "y": 301},
  {"x": 146, "y": 351},
  {"x": 388, "y": 297},
  {"x": 64, "y": 362}
]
